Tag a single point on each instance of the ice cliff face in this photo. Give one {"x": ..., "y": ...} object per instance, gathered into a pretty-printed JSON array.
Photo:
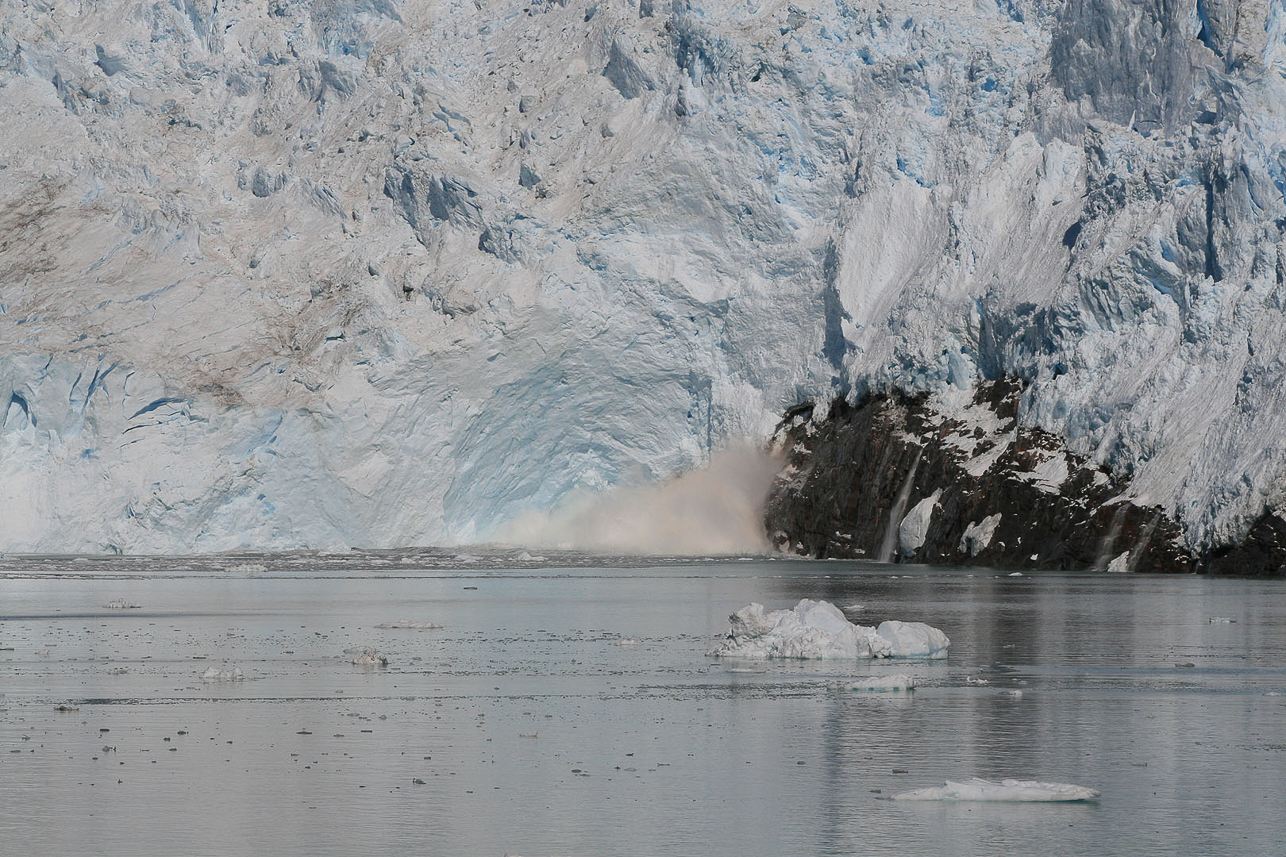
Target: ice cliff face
[{"x": 319, "y": 272}]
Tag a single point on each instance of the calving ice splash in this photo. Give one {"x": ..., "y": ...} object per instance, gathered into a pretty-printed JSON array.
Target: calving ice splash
[{"x": 819, "y": 629}]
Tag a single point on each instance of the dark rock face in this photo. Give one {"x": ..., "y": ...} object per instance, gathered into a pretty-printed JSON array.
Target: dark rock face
[
  {"x": 1262, "y": 552},
  {"x": 894, "y": 479}
]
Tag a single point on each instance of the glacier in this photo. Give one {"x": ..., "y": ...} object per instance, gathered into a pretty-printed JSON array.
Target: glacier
[{"x": 321, "y": 273}]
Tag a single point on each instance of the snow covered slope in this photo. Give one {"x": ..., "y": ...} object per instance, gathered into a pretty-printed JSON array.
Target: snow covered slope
[{"x": 325, "y": 272}]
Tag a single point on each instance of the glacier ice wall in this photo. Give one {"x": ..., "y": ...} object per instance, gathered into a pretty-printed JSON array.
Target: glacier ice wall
[{"x": 374, "y": 272}]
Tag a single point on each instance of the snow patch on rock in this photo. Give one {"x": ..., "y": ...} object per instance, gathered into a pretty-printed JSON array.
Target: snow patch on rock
[
  {"x": 978, "y": 535},
  {"x": 915, "y": 526}
]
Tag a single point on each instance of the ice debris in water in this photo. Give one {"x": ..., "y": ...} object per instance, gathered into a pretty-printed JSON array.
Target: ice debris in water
[
  {"x": 367, "y": 657},
  {"x": 406, "y": 624},
  {"x": 1221, "y": 620},
  {"x": 898, "y": 682},
  {"x": 121, "y": 604},
  {"x": 251, "y": 568},
  {"x": 818, "y": 629},
  {"x": 224, "y": 674},
  {"x": 1005, "y": 790}
]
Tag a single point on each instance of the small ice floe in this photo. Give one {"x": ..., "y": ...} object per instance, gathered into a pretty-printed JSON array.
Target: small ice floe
[
  {"x": 818, "y": 629},
  {"x": 121, "y": 604},
  {"x": 1012, "y": 694},
  {"x": 1005, "y": 790},
  {"x": 627, "y": 642},
  {"x": 66, "y": 708},
  {"x": 896, "y": 683},
  {"x": 250, "y": 568},
  {"x": 407, "y": 625},
  {"x": 853, "y": 607},
  {"x": 974, "y": 680},
  {"x": 222, "y": 674},
  {"x": 1016, "y": 574},
  {"x": 367, "y": 658},
  {"x": 118, "y": 671},
  {"x": 1221, "y": 620}
]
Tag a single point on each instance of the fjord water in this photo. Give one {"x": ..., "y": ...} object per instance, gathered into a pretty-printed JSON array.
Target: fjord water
[{"x": 567, "y": 706}]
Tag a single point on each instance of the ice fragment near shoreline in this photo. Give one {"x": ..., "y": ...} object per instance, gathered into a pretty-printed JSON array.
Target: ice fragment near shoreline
[
  {"x": 1005, "y": 790},
  {"x": 405, "y": 624},
  {"x": 817, "y": 629}
]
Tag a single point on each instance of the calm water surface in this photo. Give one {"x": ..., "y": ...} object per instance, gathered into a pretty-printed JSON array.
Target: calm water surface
[{"x": 567, "y": 706}]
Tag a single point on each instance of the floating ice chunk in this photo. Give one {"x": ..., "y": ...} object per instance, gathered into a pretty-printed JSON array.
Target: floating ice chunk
[
  {"x": 976, "y": 681},
  {"x": 407, "y": 625},
  {"x": 818, "y": 629},
  {"x": 251, "y": 568},
  {"x": 1015, "y": 574},
  {"x": 1005, "y": 790},
  {"x": 914, "y": 639},
  {"x": 224, "y": 674},
  {"x": 1221, "y": 620},
  {"x": 898, "y": 682},
  {"x": 121, "y": 604},
  {"x": 367, "y": 657}
]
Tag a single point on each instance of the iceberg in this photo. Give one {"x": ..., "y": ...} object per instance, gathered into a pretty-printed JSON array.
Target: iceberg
[
  {"x": 976, "y": 789},
  {"x": 818, "y": 629}
]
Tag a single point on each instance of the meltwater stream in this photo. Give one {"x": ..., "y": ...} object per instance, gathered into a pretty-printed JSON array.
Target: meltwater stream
[{"x": 567, "y": 706}]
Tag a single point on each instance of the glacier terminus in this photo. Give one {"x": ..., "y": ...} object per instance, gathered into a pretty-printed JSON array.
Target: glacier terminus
[{"x": 329, "y": 273}]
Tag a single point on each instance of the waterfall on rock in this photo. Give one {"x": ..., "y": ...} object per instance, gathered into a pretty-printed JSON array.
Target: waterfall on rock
[{"x": 898, "y": 511}]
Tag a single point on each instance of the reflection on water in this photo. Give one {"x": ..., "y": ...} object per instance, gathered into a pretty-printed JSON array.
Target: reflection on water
[{"x": 567, "y": 706}]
